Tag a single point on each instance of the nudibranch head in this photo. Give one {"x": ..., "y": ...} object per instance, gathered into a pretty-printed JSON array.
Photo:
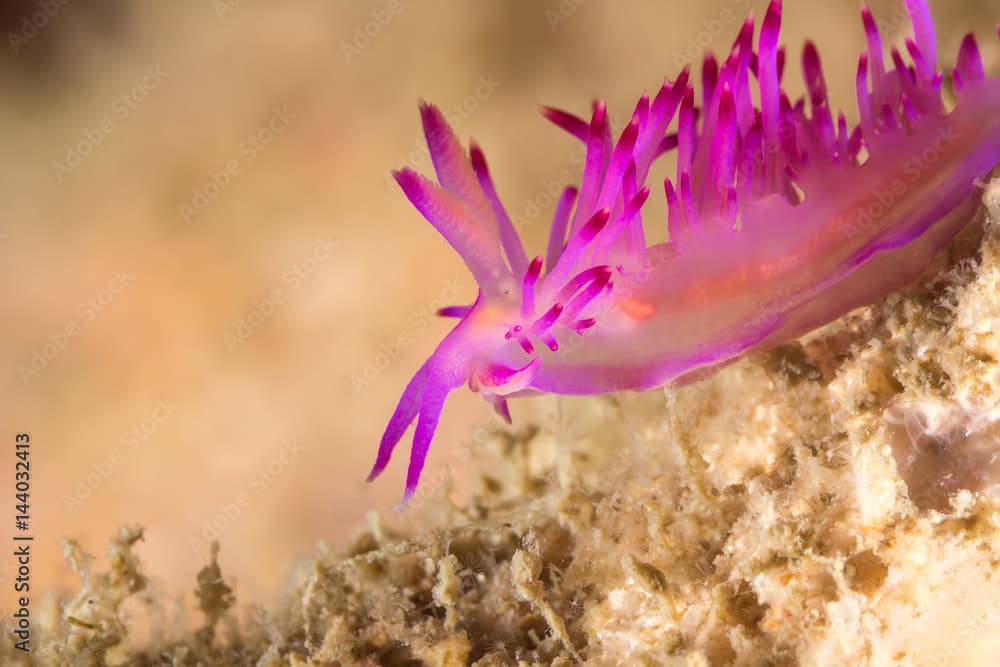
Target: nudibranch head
[{"x": 601, "y": 311}]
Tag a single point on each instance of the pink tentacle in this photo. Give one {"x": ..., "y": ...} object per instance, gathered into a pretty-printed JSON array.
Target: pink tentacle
[
  {"x": 566, "y": 121},
  {"x": 452, "y": 166},
  {"x": 875, "y": 58},
  {"x": 674, "y": 213},
  {"x": 577, "y": 244},
  {"x": 454, "y": 311},
  {"x": 619, "y": 160},
  {"x": 402, "y": 417},
  {"x": 528, "y": 287},
  {"x": 560, "y": 221},
  {"x": 431, "y": 405},
  {"x": 572, "y": 311},
  {"x": 593, "y": 168},
  {"x": 970, "y": 63},
  {"x": 923, "y": 32},
  {"x": 456, "y": 224},
  {"x": 864, "y": 99},
  {"x": 509, "y": 238},
  {"x": 770, "y": 92}
]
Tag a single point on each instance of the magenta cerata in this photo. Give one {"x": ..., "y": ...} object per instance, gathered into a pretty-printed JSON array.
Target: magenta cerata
[{"x": 782, "y": 217}]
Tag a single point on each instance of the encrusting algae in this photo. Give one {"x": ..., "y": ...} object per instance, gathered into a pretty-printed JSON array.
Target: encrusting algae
[{"x": 824, "y": 503}]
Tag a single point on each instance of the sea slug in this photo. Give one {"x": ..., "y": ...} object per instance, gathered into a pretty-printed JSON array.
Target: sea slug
[{"x": 781, "y": 219}]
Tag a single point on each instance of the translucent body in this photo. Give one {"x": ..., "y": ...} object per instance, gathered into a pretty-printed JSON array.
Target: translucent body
[{"x": 781, "y": 220}]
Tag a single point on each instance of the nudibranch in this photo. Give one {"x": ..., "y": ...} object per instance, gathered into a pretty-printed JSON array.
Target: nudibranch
[{"x": 782, "y": 217}]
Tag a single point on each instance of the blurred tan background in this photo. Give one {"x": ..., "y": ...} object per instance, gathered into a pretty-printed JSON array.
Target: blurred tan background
[{"x": 213, "y": 294}]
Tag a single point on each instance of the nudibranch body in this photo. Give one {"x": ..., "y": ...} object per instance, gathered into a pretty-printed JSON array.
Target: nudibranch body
[{"x": 781, "y": 218}]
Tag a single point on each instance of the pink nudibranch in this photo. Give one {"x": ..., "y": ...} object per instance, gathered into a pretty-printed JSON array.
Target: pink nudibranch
[{"x": 782, "y": 218}]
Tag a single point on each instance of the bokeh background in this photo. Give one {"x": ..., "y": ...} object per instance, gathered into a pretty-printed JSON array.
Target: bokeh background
[{"x": 213, "y": 292}]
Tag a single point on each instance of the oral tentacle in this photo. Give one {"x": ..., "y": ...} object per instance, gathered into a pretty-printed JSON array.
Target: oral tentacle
[
  {"x": 502, "y": 380},
  {"x": 431, "y": 405},
  {"x": 499, "y": 404},
  {"x": 401, "y": 419}
]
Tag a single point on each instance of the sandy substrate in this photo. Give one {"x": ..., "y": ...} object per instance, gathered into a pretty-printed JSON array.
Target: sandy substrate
[
  {"x": 826, "y": 503},
  {"x": 210, "y": 316}
]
